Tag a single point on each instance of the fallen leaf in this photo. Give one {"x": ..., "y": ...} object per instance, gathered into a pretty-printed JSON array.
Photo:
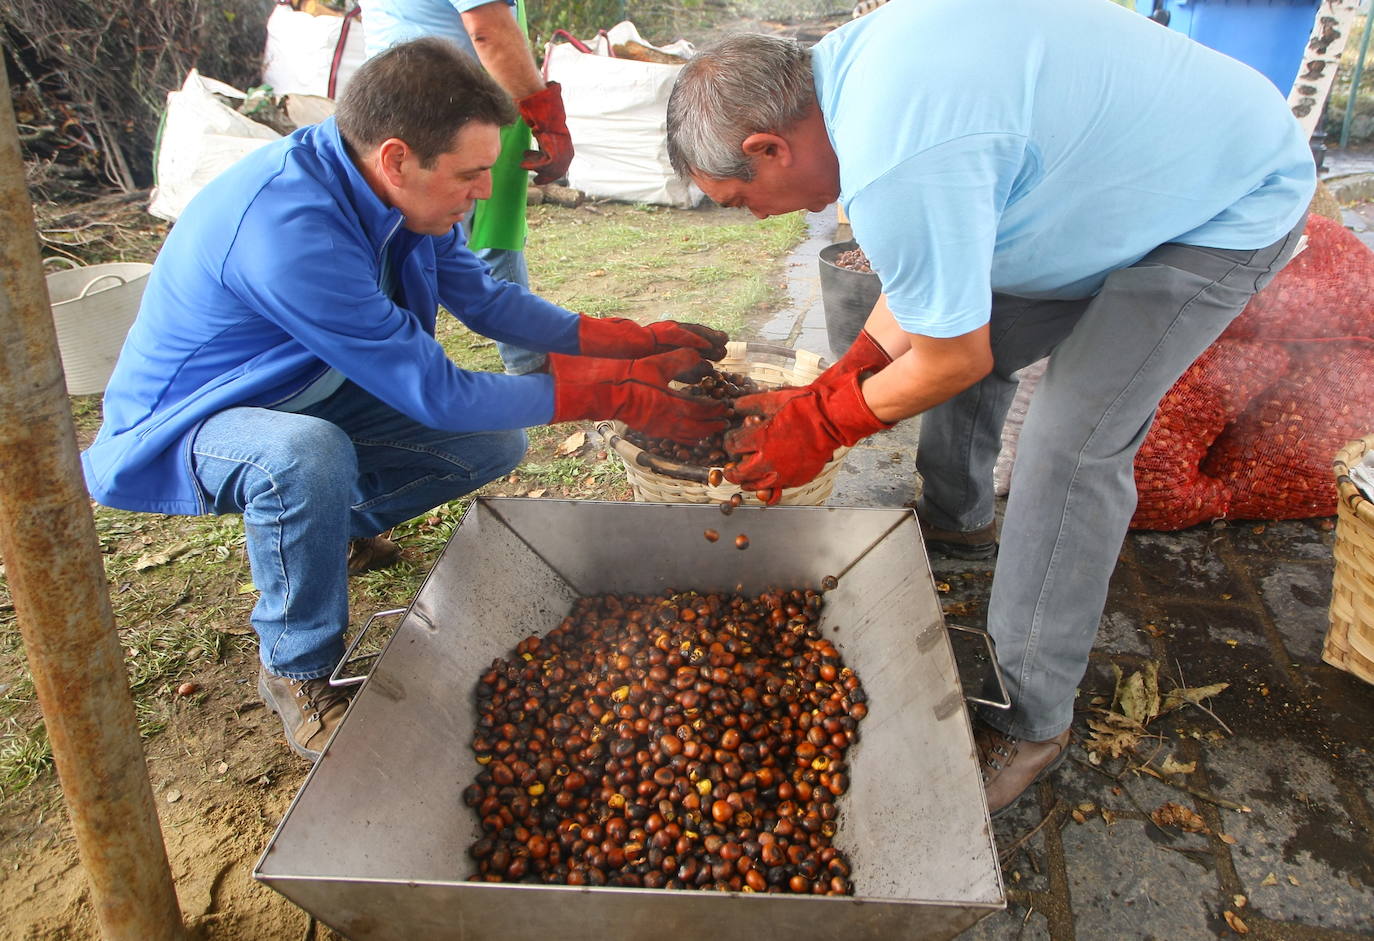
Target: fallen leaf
[
  {"x": 1238, "y": 926},
  {"x": 1098, "y": 700},
  {"x": 1231, "y": 643},
  {"x": 1078, "y": 817},
  {"x": 1154, "y": 630},
  {"x": 573, "y": 442},
  {"x": 942, "y": 586},
  {"x": 1227, "y": 838},
  {"x": 1294, "y": 880},
  {"x": 1087, "y": 807},
  {"x": 153, "y": 559},
  {"x": 1177, "y": 767},
  {"x": 1239, "y": 901},
  {"x": 173, "y": 796},
  {"x": 1191, "y": 694},
  {"x": 598, "y": 273},
  {"x": 1108, "y": 817},
  {"x": 1176, "y": 815},
  {"x": 1269, "y": 880},
  {"x": 1112, "y": 735},
  {"x": 248, "y": 588},
  {"x": 223, "y": 767},
  {"x": 537, "y": 493},
  {"x": 1137, "y": 695},
  {"x": 1226, "y": 596}
]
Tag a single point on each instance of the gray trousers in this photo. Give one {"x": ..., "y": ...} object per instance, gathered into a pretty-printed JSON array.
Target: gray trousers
[{"x": 1112, "y": 358}]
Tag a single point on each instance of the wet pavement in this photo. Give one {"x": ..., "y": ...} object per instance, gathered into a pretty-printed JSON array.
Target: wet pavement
[{"x": 1289, "y": 741}]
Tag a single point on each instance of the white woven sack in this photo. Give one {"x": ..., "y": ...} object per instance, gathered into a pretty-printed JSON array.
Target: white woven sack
[
  {"x": 301, "y": 48},
  {"x": 200, "y": 138},
  {"x": 618, "y": 118}
]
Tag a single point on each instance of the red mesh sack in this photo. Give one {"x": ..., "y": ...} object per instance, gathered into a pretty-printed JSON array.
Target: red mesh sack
[
  {"x": 1249, "y": 430},
  {"x": 1326, "y": 291},
  {"x": 1173, "y": 491},
  {"x": 1275, "y": 460}
]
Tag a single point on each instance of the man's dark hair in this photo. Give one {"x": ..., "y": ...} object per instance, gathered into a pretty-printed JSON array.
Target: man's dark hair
[{"x": 422, "y": 92}]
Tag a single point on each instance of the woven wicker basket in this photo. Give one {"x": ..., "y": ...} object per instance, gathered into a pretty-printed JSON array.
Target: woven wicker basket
[
  {"x": 1350, "y": 638},
  {"x": 656, "y": 479}
]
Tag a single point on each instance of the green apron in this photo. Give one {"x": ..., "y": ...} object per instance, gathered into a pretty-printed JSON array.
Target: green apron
[{"x": 499, "y": 222}]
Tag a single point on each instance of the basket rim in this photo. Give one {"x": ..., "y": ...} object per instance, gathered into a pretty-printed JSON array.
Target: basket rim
[{"x": 1349, "y": 494}]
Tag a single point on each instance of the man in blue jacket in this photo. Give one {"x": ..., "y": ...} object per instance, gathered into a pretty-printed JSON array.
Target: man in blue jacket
[
  {"x": 1082, "y": 184},
  {"x": 283, "y": 364}
]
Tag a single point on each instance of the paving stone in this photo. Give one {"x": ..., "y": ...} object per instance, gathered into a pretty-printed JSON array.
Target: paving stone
[
  {"x": 1124, "y": 885},
  {"x": 1123, "y": 632},
  {"x": 1296, "y": 595},
  {"x": 1293, "y": 539},
  {"x": 1016, "y": 922},
  {"x": 1299, "y": 831},
  {"x": 873, "y": 477},
  {"x": 1183, "y": 565}
]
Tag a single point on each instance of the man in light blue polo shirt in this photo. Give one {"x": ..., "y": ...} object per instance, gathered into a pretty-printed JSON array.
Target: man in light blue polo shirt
[{"x": 1043, "y": 177}]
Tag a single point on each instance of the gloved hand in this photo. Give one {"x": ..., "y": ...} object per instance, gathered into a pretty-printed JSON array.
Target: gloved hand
[
  {"x": 636, "y": 392},
  {"x": 620, "y": 338},
  {"x": 863, "y": 357},
  {"x": 543, "y": 112},
  {"x": 792, "y": 446}
]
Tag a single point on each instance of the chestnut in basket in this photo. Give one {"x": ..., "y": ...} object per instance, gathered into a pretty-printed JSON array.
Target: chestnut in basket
[
  {"x": 710, "y": 450},
  {"x": 678, "y": 740}
]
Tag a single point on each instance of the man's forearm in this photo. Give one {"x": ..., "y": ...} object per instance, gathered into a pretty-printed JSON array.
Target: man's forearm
[
  {"x": 925, "y": 371},
  {"x": 502, "y": 48}
]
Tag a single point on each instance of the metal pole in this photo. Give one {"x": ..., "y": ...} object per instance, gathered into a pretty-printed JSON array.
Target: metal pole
[
  {"x": 52, "y": 561},
  {"x": 1355, "y": 78}
]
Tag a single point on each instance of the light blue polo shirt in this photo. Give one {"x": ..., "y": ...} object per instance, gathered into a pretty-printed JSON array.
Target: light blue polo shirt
[
  {"x": 1031, "y": 147},
  {"x": 388, "y": 22}
]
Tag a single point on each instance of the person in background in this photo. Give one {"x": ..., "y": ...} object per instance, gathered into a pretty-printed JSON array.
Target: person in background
[
  {"x": 493, "y": 31},
  {"x": 1038, "y": 197},
  {"x": 283, "y": 363}
]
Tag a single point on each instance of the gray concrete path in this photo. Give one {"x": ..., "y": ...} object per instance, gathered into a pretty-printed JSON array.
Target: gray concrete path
[{"x": 1290, "y": 740}]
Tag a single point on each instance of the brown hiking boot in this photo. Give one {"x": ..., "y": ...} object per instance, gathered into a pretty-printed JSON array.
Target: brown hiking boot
[
  {"x": 310, "y": 710},
  {"x": 1010, "y": 766},
  {"x": 374, "y": 552},
  {"x": 973, "y": 544}
]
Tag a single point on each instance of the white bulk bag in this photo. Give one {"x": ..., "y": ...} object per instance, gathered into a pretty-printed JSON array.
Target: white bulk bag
[
  {"x": 200, "y": 137},
  {"x": 618, "y": 118},
  {"x": 312, "y": 55}
]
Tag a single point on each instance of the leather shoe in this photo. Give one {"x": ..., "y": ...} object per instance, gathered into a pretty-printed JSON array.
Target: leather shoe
[
  {"x": 1010, "y": 765},
  {"x": 971, "y": 544},
  {"x": 310, "y": 710},
  {"x": 374, "y": 552}
]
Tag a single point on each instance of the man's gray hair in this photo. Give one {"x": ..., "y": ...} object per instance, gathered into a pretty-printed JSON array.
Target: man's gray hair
[{"x": 746, "y": 84}]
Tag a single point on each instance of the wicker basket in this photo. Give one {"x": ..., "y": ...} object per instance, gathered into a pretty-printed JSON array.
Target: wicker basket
[
  {"x": 656, "y": 479},
  {"x": 1350, "y": 638}
]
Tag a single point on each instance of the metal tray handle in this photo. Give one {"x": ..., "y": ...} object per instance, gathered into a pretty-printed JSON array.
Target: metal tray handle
[
  {"x": 336, "y": 678},
  {"x": 1005, "y": 702}
]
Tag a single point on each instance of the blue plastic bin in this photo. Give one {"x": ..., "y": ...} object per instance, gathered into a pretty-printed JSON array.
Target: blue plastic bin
[{"x": 1270, "y": 36}]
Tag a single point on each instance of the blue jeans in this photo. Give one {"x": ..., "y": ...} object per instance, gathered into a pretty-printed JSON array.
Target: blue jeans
[
  {"x": 1112, "y": 358},
  {"x": 307, "y": 482},
  {"x": 509, "y": 265}
]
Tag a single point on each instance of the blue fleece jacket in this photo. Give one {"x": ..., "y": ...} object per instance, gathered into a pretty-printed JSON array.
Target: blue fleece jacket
[{"x": 270, "y": 278}]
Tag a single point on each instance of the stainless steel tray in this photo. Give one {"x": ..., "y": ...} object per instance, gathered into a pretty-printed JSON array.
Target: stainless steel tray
[{"x": 375, "y": 842}]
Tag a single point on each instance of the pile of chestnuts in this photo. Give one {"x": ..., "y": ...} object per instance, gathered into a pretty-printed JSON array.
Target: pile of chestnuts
[
  {"x": 678, "y": 741},
  {"x": 709, "y": 450}
]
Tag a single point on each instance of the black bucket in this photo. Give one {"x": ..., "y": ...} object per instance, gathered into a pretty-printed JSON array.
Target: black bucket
[{"x": 847, "y": 296}]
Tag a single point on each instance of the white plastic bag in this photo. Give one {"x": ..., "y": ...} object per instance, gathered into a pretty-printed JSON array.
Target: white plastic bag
[
  {"x": 200, "y": 138},
  {"x": 312, "y": 55},
  {"x": 618, "y": 118}
]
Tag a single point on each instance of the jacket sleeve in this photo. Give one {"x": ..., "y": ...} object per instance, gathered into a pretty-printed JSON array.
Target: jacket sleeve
[
  {"x": 499, "y": 309},
  {"x": 323, "y": 292}
]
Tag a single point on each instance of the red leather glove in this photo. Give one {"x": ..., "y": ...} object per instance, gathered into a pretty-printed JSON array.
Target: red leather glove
[
  {"x": 543, "y": 112},
  {"x": 619, "y": 338},
  {"x": 864, "y": 356},
  {"x": 636, "y": 392},
  {"x": 794, "y": 445}
]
